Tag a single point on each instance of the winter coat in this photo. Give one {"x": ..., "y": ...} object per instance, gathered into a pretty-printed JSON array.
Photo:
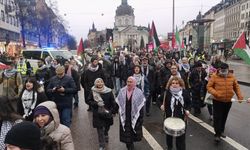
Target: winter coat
[
  {"x": 60, "y": 134},
  {"x": 41, "y": 97},
  {"x": 179, "y": 109},
  {"x": 150, "y": 77},
  {"x": 196, "y": 79},
  {"x": 76, "y": 78},
  {"x": 62, "y": 100},
  {"x": 43, "y": 75},
  {"x": 88, "y": 78},
  {"x": 223, "y": 88},
  {"x": 109, "y": 104},
  {"x": 12, "y": 86}
]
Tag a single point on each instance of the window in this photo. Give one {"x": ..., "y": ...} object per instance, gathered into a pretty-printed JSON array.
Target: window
[
  {"x": 32, "y": 54},
  {"x": 242, "y": 16},
  {"x": 7, "y": 18},
  {"x": 45, "y": 54},
  {"x": 2, "y": 15}
]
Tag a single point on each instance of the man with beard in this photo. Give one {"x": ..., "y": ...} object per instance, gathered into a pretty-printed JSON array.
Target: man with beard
[{"x": 94, "y": 71}]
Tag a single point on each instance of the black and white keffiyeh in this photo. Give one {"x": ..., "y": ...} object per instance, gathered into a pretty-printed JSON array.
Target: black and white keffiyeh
[
  {"x": 176, "y": 98},
  {"x": 137, "y": 103},
  {"x": 6, "y": 126},
  {"x": 29, "y": 99}
]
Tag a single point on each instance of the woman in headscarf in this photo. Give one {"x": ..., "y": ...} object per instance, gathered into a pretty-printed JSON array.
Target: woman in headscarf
[
  {"x": 31, "y": 96},
  {"x": 176, "y": 103},
  {"x": 131, "y": 101},
  {"x": 102, "y": 100}
]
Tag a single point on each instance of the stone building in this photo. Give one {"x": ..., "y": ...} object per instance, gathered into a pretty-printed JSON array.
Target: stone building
[{"x": 126, "y": 33}]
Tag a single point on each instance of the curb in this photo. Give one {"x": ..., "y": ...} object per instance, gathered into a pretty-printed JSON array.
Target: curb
[{"x": 244, "y": 83}]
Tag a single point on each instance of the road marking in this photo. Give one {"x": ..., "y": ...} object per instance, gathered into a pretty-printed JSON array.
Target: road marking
[
  {"x": 211, "y": 129},
  {"x": 150, "y": 139}
]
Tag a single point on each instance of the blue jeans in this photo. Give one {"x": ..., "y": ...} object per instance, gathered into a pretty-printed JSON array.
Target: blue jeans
[{"x": 65, "y": 116}]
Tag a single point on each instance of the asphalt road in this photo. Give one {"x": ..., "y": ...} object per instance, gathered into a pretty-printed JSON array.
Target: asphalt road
[{"x": 197, "y": 137}]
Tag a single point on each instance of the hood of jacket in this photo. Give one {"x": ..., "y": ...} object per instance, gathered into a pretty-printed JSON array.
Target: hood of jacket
[{"x": 54, "y": 124}]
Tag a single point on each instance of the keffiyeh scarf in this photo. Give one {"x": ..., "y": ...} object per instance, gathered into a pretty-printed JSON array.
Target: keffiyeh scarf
[
  {"x": 28, "y": 102},
  {"x": 137, "y": 103}
]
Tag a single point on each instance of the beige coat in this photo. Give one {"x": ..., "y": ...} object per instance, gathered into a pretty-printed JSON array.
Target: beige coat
[{"x": 58, "y": 132}]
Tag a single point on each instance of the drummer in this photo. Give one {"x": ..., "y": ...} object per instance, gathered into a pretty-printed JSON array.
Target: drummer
[{"x": 176, "y": 103}]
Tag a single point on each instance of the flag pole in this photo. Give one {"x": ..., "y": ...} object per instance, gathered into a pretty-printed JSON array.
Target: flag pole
[{"x": 173, "y": 15}]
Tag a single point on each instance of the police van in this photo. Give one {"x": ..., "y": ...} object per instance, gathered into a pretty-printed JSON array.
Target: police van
[{"x": 33, "y": 55}]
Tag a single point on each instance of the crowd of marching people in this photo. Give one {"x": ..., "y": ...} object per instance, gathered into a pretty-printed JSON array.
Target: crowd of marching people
[{"x": 36, "y": 110}]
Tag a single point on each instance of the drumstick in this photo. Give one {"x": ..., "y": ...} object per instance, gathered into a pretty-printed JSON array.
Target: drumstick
[{"x": 235, "y": 100}]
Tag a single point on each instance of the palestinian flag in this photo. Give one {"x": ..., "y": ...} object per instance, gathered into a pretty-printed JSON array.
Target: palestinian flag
[
  {"x": 154, "y": 37},
  {"x": 80, "y": 48},
  {"x": 177, "y": 38},
  {"x": 241, "y": 49}
]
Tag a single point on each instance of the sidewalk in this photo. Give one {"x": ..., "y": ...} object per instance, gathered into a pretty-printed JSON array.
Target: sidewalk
[{"x": 241, "y": 71}]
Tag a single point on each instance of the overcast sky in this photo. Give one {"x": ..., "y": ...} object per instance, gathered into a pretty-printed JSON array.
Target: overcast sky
[{"x": 80, "y": 14}]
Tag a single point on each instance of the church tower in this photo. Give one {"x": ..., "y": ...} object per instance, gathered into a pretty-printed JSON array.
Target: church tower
[{"x": 124, "y": 15}]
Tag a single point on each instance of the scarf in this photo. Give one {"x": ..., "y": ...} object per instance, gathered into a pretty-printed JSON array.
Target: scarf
[
  {"x": 131, "y": 89},
  {"x": 96, "y": 93},
  {"x": 9, "y": 72},
  {"x": 137, "y": 104},
  {"x": 139, "y": 81},
  {"x": 93, "y": 69},
  {"x": 176, "y": 98},
  {"x": 186, "y": 67},
  {"x": 29, "y": 99}
]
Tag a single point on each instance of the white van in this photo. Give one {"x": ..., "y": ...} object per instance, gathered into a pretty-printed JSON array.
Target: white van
[{"x": 33, "y": 55}]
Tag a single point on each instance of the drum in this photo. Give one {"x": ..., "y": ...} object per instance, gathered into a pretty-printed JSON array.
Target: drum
[{"x": 174, "y": 126}]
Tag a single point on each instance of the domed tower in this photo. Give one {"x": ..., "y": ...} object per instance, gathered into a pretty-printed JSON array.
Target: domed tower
[{"x": 124, "y": 15}]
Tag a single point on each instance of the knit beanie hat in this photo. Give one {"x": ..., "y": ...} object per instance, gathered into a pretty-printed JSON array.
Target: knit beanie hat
[
  {"x": 25, "y": 135},
  {"x": 41, "y": 110}
]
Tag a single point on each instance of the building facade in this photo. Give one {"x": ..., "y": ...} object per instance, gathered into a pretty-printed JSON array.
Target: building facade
[
  {"x": 9, "y": 27},
  {"x": 245, "y": 17},
  {"x": 232, "y": 20},
  {"x": 125, "y": 33}
]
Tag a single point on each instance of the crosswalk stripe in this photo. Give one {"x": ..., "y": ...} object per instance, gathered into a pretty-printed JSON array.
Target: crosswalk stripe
[
  {"x": 211, "y": 129},
  {"x": 150, "y": 139}
]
